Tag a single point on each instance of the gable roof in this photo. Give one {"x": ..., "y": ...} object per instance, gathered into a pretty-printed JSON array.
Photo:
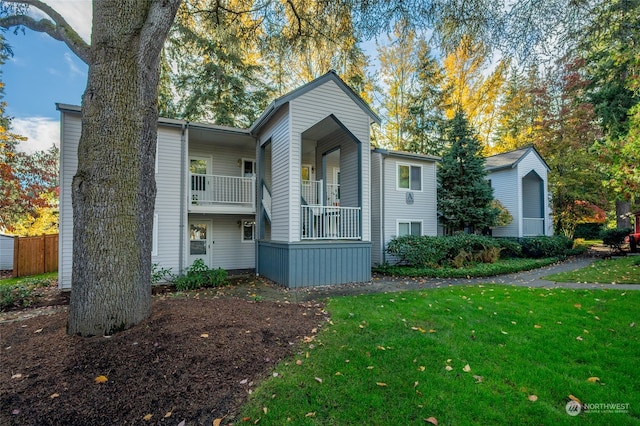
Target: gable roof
[
  {"x": 509, "y": 160},
  {"x": 329, "y": 76}
]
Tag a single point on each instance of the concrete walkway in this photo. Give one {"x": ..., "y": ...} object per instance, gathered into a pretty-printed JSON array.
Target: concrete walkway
[{"x": 533, "y": 278}]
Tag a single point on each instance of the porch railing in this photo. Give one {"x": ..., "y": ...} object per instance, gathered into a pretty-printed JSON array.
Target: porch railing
[
  {"x": 532, "y": 226},
  {"x": 311, "y": 191},
  {"x": 333, "y": 194},
  {"x": 207, "y": 190},
  {"x": 330, "y": 223}
]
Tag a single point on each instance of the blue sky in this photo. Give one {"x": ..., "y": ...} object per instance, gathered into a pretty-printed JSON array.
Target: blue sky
[{"x": 41, "y": 72}]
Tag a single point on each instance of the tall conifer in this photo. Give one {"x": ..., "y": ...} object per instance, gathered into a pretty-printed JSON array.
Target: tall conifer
[{"x": 464, "y": 195}]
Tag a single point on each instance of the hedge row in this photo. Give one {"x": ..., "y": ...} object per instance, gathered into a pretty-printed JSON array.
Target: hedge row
[{"x": 465, "y": 249}]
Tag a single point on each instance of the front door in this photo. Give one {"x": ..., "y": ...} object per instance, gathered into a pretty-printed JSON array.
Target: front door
[
  {"x": 200, "y": 169},
  {"x": 200, "y": 241}
]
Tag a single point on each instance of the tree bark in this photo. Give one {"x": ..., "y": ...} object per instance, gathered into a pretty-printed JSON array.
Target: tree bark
[
  {"x": 114, "y": 189},
  {"x": 623, "y": 214}
]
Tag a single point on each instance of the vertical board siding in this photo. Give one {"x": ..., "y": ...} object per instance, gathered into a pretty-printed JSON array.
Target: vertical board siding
[
  {"x": 70, "y": 137},
  {"x": 315, "y": 264}
]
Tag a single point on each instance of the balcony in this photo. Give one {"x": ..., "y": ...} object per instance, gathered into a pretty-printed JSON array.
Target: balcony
[
  {"x": 312, "y": 192},
  {"x": 222, "y": 194},
  {"x": 330, "y": 223}
]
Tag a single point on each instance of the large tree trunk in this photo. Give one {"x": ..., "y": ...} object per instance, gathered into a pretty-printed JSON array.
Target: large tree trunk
[
  {"x": 114, "y": 188},
  {"x": 623, "y": 214}
]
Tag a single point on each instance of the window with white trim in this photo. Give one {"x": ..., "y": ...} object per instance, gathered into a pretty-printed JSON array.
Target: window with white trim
[
  {"x": 409, "y": 177},
  {"x": 409, "y": 228},
  {"x": 248, "y": 228}
]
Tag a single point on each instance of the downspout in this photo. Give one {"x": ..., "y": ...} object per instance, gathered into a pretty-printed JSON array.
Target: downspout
[{"x": 183, "y": 185}]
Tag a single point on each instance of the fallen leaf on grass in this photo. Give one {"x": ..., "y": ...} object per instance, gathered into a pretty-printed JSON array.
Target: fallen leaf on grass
[
  {"x": 299, "y": 362},
  {"x": 466, "y": 368},
  {"x": 593, "y": 379},
  {"x": 532, "y": 398},
  {"x": 381, "y": 384},
  {"x": 478, "y": 378},
  {"x": 204, "y": 335},
  {"x": 432, "y": 420},
  {"x": 503, "y": 332},
  {"x": 573, "y": 398},
  {"x": 577, "y": 305},
  {"x": 318, "y": 379},
  {"x": 537, "y": 326},
  {"x": 147, "y": 417},
  {"x": 168, "y": 414},
  {"x": 579, "y": 338},
  {"x": 39, "y": 330},
  {"x": 311, "y": 414},
  {"x": 265, "y": 410},
  {"x": 101, "y": 379},
  {"x": 16, "y": 376},
  {"x": 448, "y": 368},
  {"x": 54, "y": 395},
  {"x": 217, "y": 422},
  {"x": 380, "y": 348}
]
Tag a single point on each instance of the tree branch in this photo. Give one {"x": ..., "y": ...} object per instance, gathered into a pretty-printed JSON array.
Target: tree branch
[
  {"x": 59, "y": 29},
  {"x": 161, "y": 16}
]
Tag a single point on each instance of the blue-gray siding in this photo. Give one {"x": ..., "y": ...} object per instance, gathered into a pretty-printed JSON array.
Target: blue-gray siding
[{"x": 314, "y": 264}]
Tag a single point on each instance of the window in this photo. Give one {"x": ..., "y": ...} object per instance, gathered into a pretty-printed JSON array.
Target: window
[
  {"x": 409, "y": 228},
  {"x": 248, "y": 230},
  {"x": 248, "y": 168},
  {"x": 410, "y": 177}
]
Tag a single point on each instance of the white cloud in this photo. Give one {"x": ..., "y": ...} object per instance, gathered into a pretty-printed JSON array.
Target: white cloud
[
  {"x": 41, "y": 133},
  {"x": 73, "y": 68},
  {"x": 78, "y": 14}
]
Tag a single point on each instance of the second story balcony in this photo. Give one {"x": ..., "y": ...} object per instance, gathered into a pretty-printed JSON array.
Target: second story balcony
[{"x": 221, "y": 194}]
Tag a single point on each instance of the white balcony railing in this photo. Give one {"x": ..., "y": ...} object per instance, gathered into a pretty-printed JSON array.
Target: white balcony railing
[
  {"x": 207, "y": 190},
  {"x": 311, "y": 191},
  {"x": 532, "y": 226},
  {"x": 333, "y": 194},
  {"x": 330, "y": 223}
]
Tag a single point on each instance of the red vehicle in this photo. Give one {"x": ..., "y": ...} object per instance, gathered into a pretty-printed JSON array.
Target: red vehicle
[{"x": 634, "y": 238}]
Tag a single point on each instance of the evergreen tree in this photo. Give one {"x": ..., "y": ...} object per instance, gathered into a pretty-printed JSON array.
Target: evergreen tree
[
  {"x": 426, "y": 105},
  {"x": 464, "y": 195}
]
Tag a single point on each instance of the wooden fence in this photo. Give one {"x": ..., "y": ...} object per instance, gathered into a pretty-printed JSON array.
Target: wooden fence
[{"x": 35, "y": 255}]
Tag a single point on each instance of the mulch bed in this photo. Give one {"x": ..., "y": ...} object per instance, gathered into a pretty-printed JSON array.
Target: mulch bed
[{"x": 195, "y": 360}]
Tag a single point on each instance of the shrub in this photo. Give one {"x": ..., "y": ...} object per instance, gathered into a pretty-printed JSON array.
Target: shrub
[
  {"x": 510, "y": 248},
  {"x": 200, "y": 275},
  {"x": 433, "y": 252},
  {"x": 614, "y": 238},
  {"x": 588, "y": 231},
  {"x": 539, "y": 247},
  {"x": 161, "y": 274}
]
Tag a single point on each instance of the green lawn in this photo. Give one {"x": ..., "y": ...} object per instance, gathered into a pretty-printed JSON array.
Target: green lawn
[
  {"x": 624, "y": 270},
  {"x": 30, "y": 279},
  {"x": 464, "y": 355}
]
